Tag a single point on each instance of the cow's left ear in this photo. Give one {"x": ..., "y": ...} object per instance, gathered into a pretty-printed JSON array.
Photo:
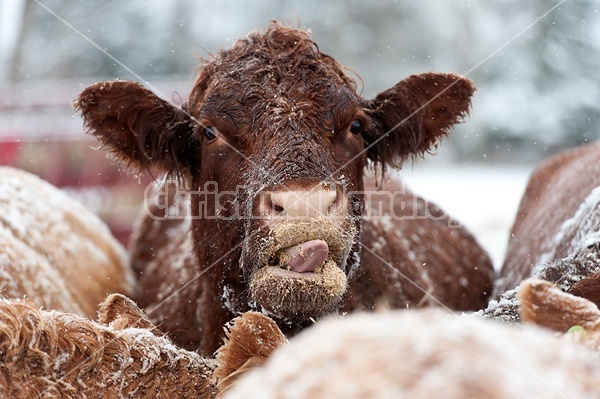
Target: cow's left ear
[{"x": 412, "y": 117}]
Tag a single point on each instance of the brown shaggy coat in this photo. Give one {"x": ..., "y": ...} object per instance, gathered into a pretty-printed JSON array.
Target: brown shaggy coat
[
  {"x": 58, "y": 355},
  {"x": 272, "y": 145}
]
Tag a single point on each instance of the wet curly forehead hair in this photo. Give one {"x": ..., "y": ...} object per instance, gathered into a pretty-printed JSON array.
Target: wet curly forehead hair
[{"x": 280, "y": 57}]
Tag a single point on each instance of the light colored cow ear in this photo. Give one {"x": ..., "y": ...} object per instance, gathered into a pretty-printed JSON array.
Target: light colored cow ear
[
  {"x": 139, "y": 128},
  {"x": 412, "y": 117},
  {"x": 119, "y": 312},
  {"x": 546, "y": 305},
  {"x": 250, "y": 340}
]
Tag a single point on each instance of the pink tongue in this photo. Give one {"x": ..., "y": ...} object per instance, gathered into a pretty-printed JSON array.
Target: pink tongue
[{"x": 306, "y": 257}]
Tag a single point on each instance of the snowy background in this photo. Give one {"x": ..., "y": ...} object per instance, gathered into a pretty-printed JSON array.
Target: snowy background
[
  {"x": 482, "y": 197},
  {"x": 535, "y": 65}
]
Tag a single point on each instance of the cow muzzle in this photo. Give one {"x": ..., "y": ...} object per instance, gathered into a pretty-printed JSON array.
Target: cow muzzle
[{"x": 298, "y": 269}]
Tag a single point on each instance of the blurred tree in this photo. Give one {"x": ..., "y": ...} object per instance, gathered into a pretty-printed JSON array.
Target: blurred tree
[{"x": 539, "y": 91}]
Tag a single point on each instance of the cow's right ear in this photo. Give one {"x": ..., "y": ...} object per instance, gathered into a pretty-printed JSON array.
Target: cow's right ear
[{"x": 139, "y": 128}]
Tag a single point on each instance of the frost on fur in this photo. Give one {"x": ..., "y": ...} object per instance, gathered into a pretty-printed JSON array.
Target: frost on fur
[{"x": 55, "y": 354}]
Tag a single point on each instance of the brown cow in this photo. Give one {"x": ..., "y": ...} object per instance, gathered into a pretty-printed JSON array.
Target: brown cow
[
  {"x": 273, "y": 143},
  {"x": 556, "y": 234}
]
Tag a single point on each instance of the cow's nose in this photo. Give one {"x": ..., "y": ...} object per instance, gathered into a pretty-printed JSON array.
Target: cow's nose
[{"x": 301, "y": 203}]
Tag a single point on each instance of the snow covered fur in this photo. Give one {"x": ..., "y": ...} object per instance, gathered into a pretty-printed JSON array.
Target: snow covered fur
[
  {"x": 54, "y": 354},
  {"x": 556, "y": 234},
  {"x": 423, "y": 354},
  {"x": 558, "y": 217},
  {"x": 54, "y": 251},
  {"x": 276, "y": 212}
]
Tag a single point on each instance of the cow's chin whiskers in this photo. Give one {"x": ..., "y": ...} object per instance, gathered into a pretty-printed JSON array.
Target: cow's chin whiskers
[
  {"x": 299, "y": 296},
  {"x": 293, "y": 295}
]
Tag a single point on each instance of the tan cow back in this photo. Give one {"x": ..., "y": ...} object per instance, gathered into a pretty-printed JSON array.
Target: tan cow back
[{"x": 54, "y": 251}]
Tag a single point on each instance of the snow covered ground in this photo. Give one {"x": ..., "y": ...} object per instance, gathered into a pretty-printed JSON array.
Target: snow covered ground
[{"x": 483, "y": 198}]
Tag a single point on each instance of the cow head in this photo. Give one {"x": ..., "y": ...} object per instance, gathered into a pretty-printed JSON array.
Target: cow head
[{"x": 277, "y": 125}]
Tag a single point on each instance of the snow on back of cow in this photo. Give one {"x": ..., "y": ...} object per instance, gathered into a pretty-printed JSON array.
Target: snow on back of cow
[{"x": 53, "y": 250}]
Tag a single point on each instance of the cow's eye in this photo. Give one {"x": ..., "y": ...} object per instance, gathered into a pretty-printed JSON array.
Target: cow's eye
[
  {"x": 356, "y": 127},
  {"x": 210, "y": 133}
]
